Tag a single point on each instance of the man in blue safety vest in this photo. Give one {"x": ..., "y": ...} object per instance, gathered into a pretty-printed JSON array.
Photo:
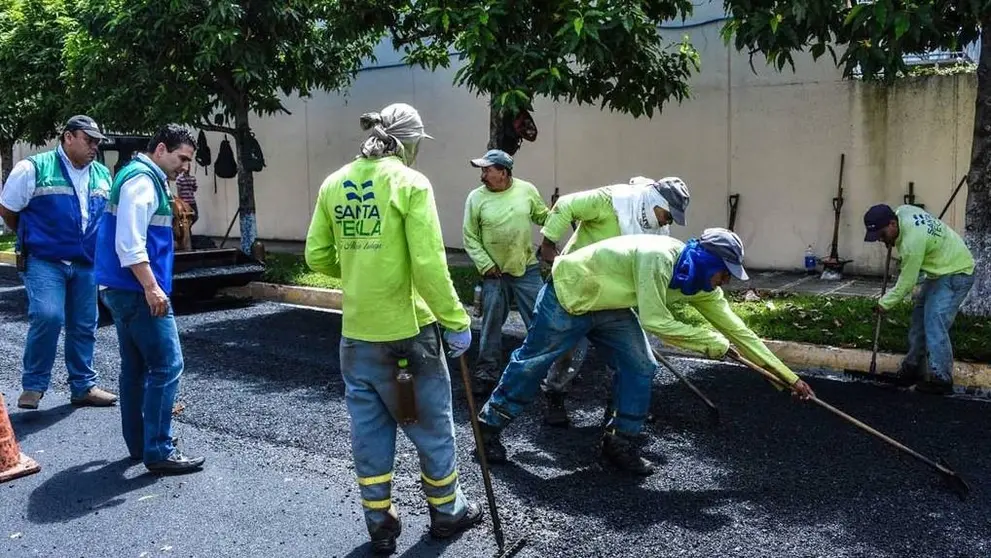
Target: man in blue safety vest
[{"x": 54, "y": 201}]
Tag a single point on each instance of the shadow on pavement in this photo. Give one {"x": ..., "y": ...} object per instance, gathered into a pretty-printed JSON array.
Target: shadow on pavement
[
  {"x": 26, "y": 423},
  {"x": 84, "y": 489}
]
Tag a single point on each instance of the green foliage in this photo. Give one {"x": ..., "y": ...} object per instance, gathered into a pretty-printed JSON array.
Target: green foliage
[
  {"x": 141, "y": 63},
  {"x": 7, "y": 242},
  {"x": 608, "y": 52},
  {"x": 876, "y": 35},
  {"x": 31, "y": 41}
]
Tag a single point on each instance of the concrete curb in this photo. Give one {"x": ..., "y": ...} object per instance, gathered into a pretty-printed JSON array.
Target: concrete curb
[
  {"x": 970, "y": 378},
  {"x": 8, "y": 258}
]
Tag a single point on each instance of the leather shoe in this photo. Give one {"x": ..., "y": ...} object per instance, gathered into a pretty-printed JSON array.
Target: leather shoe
[
  {"x": 95, "y": 397},
  {"x": 139, "y": 457},
  {"x": 29, "y": 399},
  {"x": 176, "y": 463}
]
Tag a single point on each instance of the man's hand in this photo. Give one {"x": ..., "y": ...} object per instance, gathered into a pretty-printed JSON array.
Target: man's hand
[
  {"x": 158, "y": 303},
  {"x": 493, "y": 273},
  {"x": 548, "y": 251},
  {"x": 802, "y": 391},
  {"x": 879, "y": 310},
  {"x": 458, "y": 342}
]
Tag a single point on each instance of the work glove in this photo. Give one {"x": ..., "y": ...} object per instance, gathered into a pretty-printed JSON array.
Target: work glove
[{"x": 458, "y": 342}]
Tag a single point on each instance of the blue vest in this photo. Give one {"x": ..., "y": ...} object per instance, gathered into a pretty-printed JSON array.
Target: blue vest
[
  {"x": 158, "y": 240},
  {"x": 50, "y": 227}
]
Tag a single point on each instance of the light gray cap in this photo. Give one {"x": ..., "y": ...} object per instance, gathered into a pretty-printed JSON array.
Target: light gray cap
[
  {"x": 728, "y": 246},
  {"x": 675, "y": 191}
]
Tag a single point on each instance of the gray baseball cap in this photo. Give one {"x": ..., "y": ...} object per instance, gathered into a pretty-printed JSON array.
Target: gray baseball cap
[
  {"x": 85, "y": 124},
  {"x": 675, "y": 192},
  {"x": 728, "y": 246},
  {"x": 493, "y": 157}
]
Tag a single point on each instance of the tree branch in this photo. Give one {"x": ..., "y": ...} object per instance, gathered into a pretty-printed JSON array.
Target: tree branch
[{"x": 215, "y": 128}]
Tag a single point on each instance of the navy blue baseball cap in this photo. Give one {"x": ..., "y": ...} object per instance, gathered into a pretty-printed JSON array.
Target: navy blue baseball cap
[
  {"x": 493, "y": 157},
  {"x": 875, "y": 219}
]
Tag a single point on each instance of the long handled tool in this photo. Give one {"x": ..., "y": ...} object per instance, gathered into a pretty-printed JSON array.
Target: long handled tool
[
  {"x": 953, "y": 480},
  {"x": 953, "y": 196},
  {"x": 734, "y": 201},
  {"x": 489, "y": 493},
  {"x": 833, "y": 265},
  {"x": 877, "y": 326},
  {"x": 713, "y": 410}
]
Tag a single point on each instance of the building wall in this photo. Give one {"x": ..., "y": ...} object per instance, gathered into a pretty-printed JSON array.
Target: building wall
[{"x": 774, "y": 138}]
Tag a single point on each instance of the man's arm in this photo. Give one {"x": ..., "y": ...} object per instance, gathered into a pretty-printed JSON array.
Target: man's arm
[
  {"x": 538, "y": 209},
  {"x": 716, "y": 310},
  {"x": 17, "y": 192},
  {"x": 657, "y": 319},
  {"x": 471, "y": 231},
  {"x": 907, "y": 278},
  {"x": 135, "y": 208},
  {"x": 428, "y": 261},
  {"x": 321, "y": 246}
]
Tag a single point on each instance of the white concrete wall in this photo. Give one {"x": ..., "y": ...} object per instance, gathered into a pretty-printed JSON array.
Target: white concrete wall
[{"x": 774, "y": 138}]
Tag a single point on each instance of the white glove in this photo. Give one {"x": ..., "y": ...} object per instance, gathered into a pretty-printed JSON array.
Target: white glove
[{"x": 458, "y": 342}]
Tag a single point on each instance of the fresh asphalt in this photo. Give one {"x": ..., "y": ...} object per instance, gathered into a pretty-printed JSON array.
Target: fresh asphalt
[{"x": 263, "y": 400}]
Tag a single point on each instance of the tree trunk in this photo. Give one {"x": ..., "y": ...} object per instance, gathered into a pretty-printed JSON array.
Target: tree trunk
[
  {"x": 978, "y": 222},
  {"x": 245, "y": 183},
  {"x": 7, "y": 155},
  {"x": 495, "y": 127},
  {"x": 7, "y": 165}
]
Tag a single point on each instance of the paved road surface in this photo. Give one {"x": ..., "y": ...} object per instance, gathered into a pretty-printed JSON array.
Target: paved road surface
[{"x": 263, "y": 400}]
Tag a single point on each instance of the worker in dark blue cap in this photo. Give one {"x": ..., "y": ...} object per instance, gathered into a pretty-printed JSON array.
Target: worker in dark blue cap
[{"x": 927, "y": 245}]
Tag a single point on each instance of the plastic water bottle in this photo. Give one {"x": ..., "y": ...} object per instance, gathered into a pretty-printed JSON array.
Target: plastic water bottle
[
  {"x": 810, "y": 261},
  {"x": 406, "y": 394}
]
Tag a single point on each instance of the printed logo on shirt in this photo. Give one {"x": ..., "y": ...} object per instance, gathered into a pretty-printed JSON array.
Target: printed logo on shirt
[
  {"x": 933, "y": 226},
  {"x": 359, "y": 217}
]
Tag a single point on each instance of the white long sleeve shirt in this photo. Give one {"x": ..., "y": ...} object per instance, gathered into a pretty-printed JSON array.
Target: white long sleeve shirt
[
  {"x": 137, "y": 205},
  {"x": 19, "y": 188}
]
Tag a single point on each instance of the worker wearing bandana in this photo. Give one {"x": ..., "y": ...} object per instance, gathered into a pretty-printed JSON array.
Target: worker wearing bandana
[
  {"x": 643, "y": 206},
  {"x": 376, "y": 227},
  {"x": 591, "y": 294}
]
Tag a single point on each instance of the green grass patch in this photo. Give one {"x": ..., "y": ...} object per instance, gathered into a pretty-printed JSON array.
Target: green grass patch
[
  {"x": 823, "y": 320},
  {"x": 291, "y": 269},
  {"x": 843, "y": 322},
  {"x": 7, "y": 242}
]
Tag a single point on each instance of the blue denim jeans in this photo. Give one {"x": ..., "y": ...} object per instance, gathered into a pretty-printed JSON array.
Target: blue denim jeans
[
  {"x": 933, "y": 315},
  {"x": 150, "y": 368},
  {"x": 369, "y": 371},
  {"x": 59, "y": 294},
  {"x": 553, "y": 332},
  {"x": 496, "y": 295}
]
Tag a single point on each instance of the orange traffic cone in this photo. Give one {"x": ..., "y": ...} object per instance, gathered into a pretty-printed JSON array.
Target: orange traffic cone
[{"x": 13, "y": 463}]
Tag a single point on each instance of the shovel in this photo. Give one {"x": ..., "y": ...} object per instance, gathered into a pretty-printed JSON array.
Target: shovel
[
  {"x": 877, "y": 327},
  {"x": 713, "y": 410},
  {"x": 489, "y": 493},
  {"x": 952, "y": 479}
]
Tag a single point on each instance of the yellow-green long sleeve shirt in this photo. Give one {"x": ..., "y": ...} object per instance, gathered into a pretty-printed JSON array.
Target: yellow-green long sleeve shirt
[
  {"x": 498, "y": 227},
  {"x": 634, "y": 271},
  {"x": 375, "y": 226},
  {"x": 925, "y": 244},
  {"x": 592, "y": 210}
]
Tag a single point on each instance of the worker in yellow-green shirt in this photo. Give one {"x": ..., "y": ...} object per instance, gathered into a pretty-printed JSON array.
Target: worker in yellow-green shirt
[
  {"x": 644, "y": 206},
  {"x": 376, "y": 227},
  {"x": 498, "y": 223},
  {"x": 928, "y": 245},
  {"x": 591, "y": 294}
]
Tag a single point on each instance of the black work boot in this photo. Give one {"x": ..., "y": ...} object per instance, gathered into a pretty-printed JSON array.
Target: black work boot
[
  {"x": 384, "y": 537},
  {"x": 441, "y": 528},
  {"x": 907, "y": 375},
  {"x": 557, "y": 414},
  {"x": 621, "y": 451},
  {"x": 482, "y": 388},
  {"x": 934, "y": 385},
  {"x": 494, "y": 451}
]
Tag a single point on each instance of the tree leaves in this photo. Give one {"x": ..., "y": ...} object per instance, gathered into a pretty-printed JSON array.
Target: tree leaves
[{"x": 569, "y": 50}]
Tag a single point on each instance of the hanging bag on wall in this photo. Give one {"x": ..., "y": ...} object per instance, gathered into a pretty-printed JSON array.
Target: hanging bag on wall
[
  {"x": 203, "y": 155},
  {"x": 226, "y": 165},
  {"x": 254, "y": 160}
]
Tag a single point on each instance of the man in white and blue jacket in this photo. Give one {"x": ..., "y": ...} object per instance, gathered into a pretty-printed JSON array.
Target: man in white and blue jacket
[
  {"x": 134, "y": 252},
  {"x": 54, "y": 201}
]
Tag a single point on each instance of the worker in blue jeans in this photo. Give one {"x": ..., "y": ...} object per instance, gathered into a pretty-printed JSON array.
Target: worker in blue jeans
[
  {"x": 54, "y": 200},
  {"x": 925, "y": 245},
  {"x": 134, "y": 253}
]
